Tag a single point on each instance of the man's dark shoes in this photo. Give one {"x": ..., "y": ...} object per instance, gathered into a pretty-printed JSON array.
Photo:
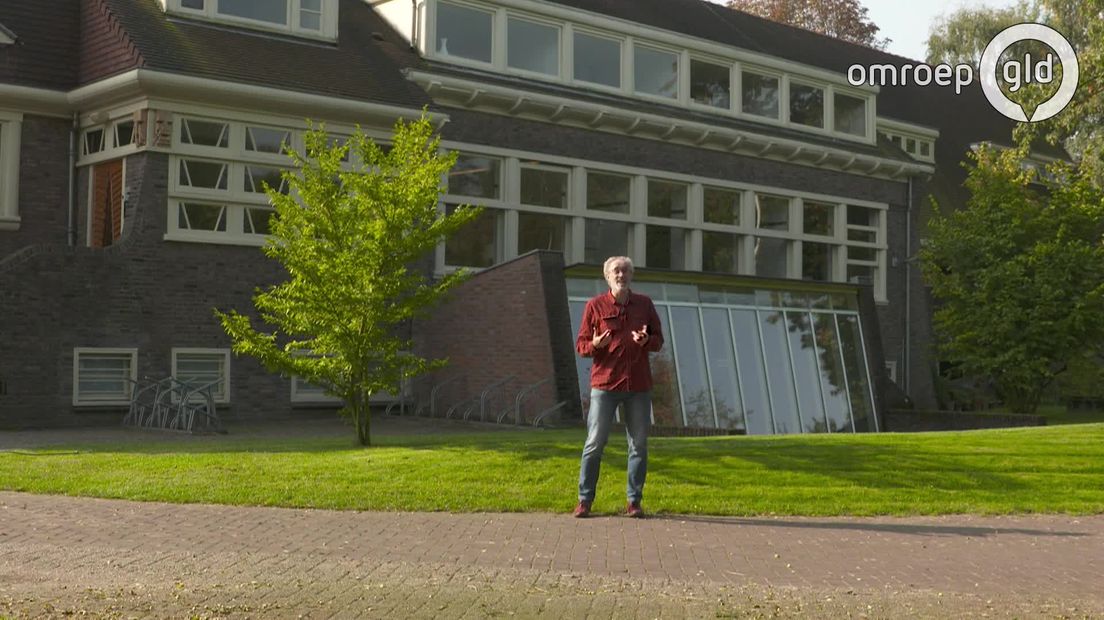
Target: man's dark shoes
[
  {"x": 582, "y": 510},
  {"x": 634, "y": 511}
]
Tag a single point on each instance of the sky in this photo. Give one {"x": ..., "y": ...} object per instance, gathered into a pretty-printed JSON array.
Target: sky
[{"x": 907, "y": 23}]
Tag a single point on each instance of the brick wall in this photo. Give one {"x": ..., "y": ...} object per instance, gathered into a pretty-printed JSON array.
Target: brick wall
[
  {"x": 507, "y": 320},
  {"x": 43, "y": 184},
  {"x": 105, "y": 48},
  {"x": 141, "y": 292}
]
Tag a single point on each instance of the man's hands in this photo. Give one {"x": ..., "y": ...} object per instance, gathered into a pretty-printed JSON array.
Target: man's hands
[
  {"x": 599, "y": 341},
  {"x": 602, "y": 340}
]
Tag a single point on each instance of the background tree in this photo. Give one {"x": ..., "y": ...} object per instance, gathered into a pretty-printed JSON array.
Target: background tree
[
  {"x": 842, "y": 19},
  {"x": 1019, "y": 274},
  {"x": 962, "y": 36},
  {"x": 348, "y": 239}
]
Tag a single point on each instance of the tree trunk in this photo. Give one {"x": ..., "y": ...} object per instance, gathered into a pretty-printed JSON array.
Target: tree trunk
[{"x": 363, "y": 414}]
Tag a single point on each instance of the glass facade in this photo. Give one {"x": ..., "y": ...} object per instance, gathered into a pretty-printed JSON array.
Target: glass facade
[{"x": 756, "y": 361}]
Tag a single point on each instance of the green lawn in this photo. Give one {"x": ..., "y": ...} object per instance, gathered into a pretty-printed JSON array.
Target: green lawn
[{"x": 1048, "y": 469}]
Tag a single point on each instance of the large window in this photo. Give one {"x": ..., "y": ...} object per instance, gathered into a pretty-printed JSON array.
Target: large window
[
  {"x": 709, "y": 84},
  {"x": 464, "y": 32},
  {"x": 605, "y": 238},
  {"x": 721, "y": 206},
  {"x": 753, "y": 360},
  {"x": 864, "y": 255},
  {"x": 806, "y": 105},
  {"x": 220, "y": 172},
  {"x": 759, "y": 94},
  {"x": 656, "y": 72},
  {"x": 532, "y": 46},
  {"x": 597, "y": 60},
  {"x": 204, "y": 370},
  {"x": 476, "y": 176},
  {"x": 667, "y": 200},
  {"x": 538, "y": 231},
  {"x": 772, "y": 254},
  {"x": 720, "y": 252},
  {"x": 543, "y": 186},
  {"x": 10, "y": 127},
  {"x": 310, "y": 17},
  {"x": 850, "y": 113},
  {"x": 678, "y": 223},
  {"x": 103, "y": 376},
  {"x": 666, "y": 247},
  {"x": 608, "y": 192},
  {"x": 477, "y": 244}
]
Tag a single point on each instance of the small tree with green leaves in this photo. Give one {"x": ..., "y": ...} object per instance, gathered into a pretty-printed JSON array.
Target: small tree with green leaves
[
  {"x": 1018, "y": 274},
  {"x": 349, "y": 236}
]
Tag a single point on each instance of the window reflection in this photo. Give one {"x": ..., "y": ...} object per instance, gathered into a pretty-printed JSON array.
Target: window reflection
[
  {"x": 722, "y": 369},
  {"x": 833, "y": 382},
  {"x": 858, "y": 383},
  {"x": 779, "y": 374},
  {"x": 806, "y": 377},
  {"x": 775, "y": 369},
  {"x": 694, "y": 383},
  {"x": 749, "y": 359},
  {"x": 666, "y": 405}
]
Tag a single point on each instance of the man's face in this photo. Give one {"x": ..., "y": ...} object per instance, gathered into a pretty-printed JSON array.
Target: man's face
[{"x": 619, "y": 276}]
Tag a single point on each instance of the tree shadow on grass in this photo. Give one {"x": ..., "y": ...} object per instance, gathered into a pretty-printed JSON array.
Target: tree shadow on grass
[{"x": 862, "y": 464}]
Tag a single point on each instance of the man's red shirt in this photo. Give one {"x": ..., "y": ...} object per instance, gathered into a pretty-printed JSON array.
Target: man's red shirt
[{"x": 622, "y": 365}]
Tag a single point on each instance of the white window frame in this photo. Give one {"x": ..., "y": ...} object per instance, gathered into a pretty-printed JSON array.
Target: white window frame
[
  {"x": 92, "y": 351},
  {"x": 637, "y": 217},
  {"x": 498, "y": 37},
  {"x": 11, "y": 129},
  {"x": 868, "y": 117},
  {"x": 680, "y": 70},
  {"x": 630, "y": 37},
  {"x": 733, "y": 79},
  {"x": 825, "y": 112},
  {"x": 783, "y": 95},
  {"x": 221, "y": 397},
  {"x": 560, "y": 44},
  {"x": 310, "y": 397},
  {"x": 235, "y": 198},
  {"x": 327, "y": 30},
  {"x": 569, "y": 47}
]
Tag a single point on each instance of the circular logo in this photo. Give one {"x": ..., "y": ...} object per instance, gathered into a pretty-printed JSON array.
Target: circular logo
[{"x": 1023, "y": 32}]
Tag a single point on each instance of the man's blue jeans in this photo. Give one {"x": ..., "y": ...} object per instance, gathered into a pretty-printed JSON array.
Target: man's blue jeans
[{"x": 637, "y": 413}]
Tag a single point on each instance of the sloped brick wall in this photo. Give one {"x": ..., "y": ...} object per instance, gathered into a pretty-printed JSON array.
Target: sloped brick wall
[{"x": 510, "y": 320}]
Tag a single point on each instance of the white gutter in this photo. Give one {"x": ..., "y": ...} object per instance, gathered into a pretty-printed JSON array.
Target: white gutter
[
  {"x": 233, "y": 94},
  {"x": 31, "y": 100},
  {"x": 602, "y": 114}
]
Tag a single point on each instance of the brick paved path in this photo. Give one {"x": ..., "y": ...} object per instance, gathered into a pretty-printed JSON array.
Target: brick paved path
[{"x": 61, "y": 555}]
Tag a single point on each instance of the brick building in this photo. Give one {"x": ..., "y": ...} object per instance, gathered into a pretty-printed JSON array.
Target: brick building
[{"x": 772, "y": 208}]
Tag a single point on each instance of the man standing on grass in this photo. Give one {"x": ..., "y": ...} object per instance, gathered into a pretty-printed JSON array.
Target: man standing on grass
[{"x": 619, "y": 329}]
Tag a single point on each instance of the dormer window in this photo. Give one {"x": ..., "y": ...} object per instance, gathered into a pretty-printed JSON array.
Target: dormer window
[
  {"x": 313, "y": 18},
  {"x": 532, "y": 46},
  {"x": 850, "y": 113},
  {"x": 760, "y": 94},
  {"x": 597, "y": 60},
  {"x": 464, "y": 32},
  {"x": 656, "y": 72},
  {"x": 709, "y": 84},
  {"x": 531, "y": 42},
  {"x": 806, "y": 105}
]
